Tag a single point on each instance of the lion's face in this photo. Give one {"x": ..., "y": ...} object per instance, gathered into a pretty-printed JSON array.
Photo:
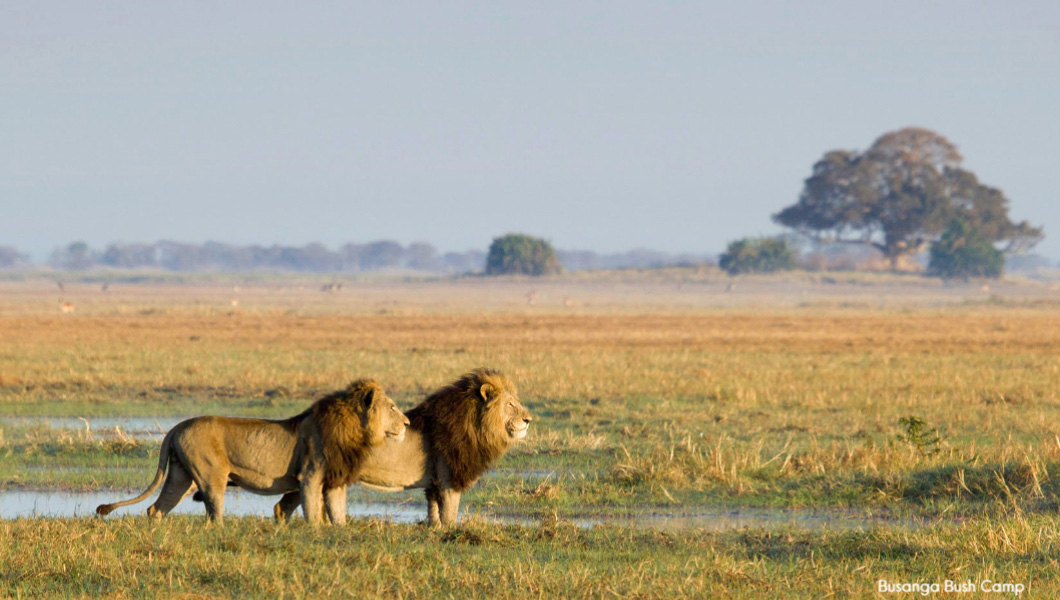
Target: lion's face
[
  {"x": 503, "y": 406},
  {"x": 385, "y": 419}
]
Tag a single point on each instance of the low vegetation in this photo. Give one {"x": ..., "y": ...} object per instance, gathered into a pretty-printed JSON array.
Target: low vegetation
[
  {"x": 963, "y": 252},
  {"x": 552, "y": 558},
  {"x": 757, "y": 255}
]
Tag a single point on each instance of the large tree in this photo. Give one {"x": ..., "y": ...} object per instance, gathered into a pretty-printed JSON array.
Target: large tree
[{"x": 900, "y": 195}]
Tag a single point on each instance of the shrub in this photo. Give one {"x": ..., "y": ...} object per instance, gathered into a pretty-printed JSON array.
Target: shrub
[
  {"x": 918, "y": 435},
  {"x": 757, "y": 255},
  {"x": 964, "y": 252},
  {"x": 521, "y": 254}
]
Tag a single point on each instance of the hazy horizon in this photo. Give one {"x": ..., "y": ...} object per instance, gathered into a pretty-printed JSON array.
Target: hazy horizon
[{"x": 599, "y": 126}]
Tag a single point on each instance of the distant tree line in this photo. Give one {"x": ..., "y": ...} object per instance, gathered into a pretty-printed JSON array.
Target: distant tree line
[
  {"x": 316, "y": 257},
  {"x": 584, "y": 260},
  {"x": 10, "y": 257},
  {"x": 214, "y": 256}
]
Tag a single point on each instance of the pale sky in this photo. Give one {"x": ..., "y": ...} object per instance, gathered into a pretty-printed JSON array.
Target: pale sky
[{"x": 607, "y": 126}]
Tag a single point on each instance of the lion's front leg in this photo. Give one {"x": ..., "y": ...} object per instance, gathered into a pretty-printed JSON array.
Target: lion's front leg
[
  {"x": 313, "y": 494},
  {"x": 335, "y": 504},
  {"x": 448, "y": 506},
  {"x": 443, "y": 502}
]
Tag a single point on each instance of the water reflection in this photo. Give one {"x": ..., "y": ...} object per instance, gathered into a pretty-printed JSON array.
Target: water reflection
[
  {"x": 18, "y": 504},
  {"x": 143, "y": 428}
]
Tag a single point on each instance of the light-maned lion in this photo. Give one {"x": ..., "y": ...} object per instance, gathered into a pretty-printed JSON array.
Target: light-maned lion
[
  {"x": 318, "y": 452},
  {"x": 454, "y": 435}
]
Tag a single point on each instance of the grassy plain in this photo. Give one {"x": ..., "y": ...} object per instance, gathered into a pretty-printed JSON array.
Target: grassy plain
[{"x": 662, "y": 394}]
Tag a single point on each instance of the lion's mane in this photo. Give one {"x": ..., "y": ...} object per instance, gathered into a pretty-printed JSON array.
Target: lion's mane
[
  {"x": 345, "y": 434},
  {"x": 468, "y": 432}
]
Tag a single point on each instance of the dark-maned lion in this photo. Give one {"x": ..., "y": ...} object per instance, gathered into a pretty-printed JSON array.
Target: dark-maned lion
[
  {"x": 454, "y": 435},
  {"x": 318, "y": 452}
]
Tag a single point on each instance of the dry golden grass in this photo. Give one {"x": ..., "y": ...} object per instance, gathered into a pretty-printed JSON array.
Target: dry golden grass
[{"x": 665, "y": 356}]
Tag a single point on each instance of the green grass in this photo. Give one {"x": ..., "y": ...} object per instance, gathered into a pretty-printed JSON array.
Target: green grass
[{"x": 552, "y": 559}]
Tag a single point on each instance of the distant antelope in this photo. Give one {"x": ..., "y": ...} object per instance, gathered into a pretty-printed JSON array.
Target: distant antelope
[
  {"x": 331, "y": 288},
  {"x": 66, "y": 307}
]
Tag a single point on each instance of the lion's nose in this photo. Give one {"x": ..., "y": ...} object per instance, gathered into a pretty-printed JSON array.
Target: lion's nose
[
  {"x": 407, "y": 422},
  {"x": 527, "y": 420}
]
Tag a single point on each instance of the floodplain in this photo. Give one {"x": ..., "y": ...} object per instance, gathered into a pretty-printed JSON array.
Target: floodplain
[{"x": 909, "y": 429}]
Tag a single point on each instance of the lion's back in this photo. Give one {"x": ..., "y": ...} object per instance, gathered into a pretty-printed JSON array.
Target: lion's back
[{"x": 235, "y": 440}]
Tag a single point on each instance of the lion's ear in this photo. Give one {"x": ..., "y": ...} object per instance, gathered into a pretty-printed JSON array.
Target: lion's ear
[
  {"x": 369, "y": 397},
  {"x": 487, "y": 390}
]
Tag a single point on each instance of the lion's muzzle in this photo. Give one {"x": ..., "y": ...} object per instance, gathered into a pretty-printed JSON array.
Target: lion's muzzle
[{"x": 519, "y": 429}]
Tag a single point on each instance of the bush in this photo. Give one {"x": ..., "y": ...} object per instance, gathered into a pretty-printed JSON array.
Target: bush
[
  {"x": 757, "y": 255},
  {"x": 963, "y": 252},
  {"x": 519, "y": 254}
]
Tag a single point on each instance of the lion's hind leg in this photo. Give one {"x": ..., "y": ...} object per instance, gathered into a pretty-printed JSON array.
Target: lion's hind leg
[
  {"x": 432, "y": 505},
  {"x": 212, "y": 486},
  {"x": 284, "y": 509},
  {"x": 178, "y": 485}
]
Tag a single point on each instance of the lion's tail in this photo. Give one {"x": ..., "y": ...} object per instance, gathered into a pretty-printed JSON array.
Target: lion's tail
[{"x": 163, "y": 463}]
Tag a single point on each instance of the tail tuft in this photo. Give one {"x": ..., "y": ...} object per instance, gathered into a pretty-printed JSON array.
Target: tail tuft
[
  {"x": 104, "y": 509},
  {"x": 197, "y": 497}
]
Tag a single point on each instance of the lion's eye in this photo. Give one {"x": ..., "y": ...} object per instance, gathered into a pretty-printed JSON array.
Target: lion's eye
[{"x": 511, "y": 405}]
